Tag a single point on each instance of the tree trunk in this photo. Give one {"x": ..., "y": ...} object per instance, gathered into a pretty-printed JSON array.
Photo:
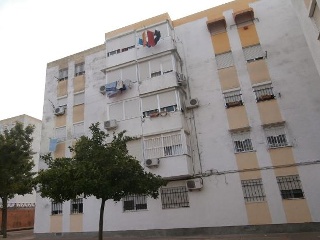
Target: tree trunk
[
  {"x": 4, "y": 216},
  {"x": 103, "y": 203}
]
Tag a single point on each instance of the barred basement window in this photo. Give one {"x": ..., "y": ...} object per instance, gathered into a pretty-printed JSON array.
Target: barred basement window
[
  {"x": 233, "y": 98},
  {"x": 63, "y": 74},
  {"x": 290, "y": 187},
  {"x": 263, "y": 92},
  {"x": 174, "y": 197},
  {"x": 242, "y": 142},
  {"x": 56, "y": 208},
  {"x": 134, "y": 203},
  {"x": 253, "y": 190},
  {"x": 276, "y": 137},
  {"x": 224, "y": 60},
  {"x": 79, "y": 69},
  {"x": 76, "y": 206}
]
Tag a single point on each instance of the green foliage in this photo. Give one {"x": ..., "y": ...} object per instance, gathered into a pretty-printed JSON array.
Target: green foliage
[{"x": 16, "y": 161}]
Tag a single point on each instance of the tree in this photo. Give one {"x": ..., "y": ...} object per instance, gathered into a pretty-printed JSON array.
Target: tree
[
  {"x": 16, "y": 176},
  {"x": 98, "y": 168}
]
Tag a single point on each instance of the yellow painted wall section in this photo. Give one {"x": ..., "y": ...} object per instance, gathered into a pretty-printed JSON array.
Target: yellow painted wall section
[
  {"x": 61, "y": 120},
  {"x": 142, "y": 24},
  {"x": 215, "y": 12},
  {"x": 79, "y": 83},
  {"x": 56, "y": 223},
  {"x": 258, "y": 71},
  {"x": 248, "y": 160},
  {"x": 220, "y": 43},
  {"x": 76, "y": 222},
  {"x": 297, "y": 211},
  {"x": 283, "y": 156},
  {"x": 237, "y": 117},
  {"x": 258, "y": 213},
  {"x": 60, "y": 150},
  {"x": 62, "y": 89},
  {"x": 248, "y": 35},
  {"x": 228, "y": 78},
  {"x": 269, "y": 112},
  {"x": 78, "y": 113}
]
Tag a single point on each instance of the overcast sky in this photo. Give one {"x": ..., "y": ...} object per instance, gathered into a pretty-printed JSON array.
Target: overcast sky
[{"x": 35, "y": 32}]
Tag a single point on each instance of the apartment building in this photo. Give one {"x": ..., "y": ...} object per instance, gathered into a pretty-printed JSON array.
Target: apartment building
[
  {"x": 27, "y": 200},
  {"x": 224, "y": 104}
]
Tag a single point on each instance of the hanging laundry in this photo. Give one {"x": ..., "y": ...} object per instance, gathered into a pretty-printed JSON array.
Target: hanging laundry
[
  {"x": 151, "y": 42},
  {"x": 140, "y": 41},
  {"x": 53, "y": 144},
  {"x": 119, "y": 85},
  {"x": 157, "y": 38},
  {"x": 111, "y": 89},
  {"x": 144, "y": 39}
]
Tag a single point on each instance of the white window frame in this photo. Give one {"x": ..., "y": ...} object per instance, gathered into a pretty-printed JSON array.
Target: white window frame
[
  {"x": 253, "y": 53},
  {"x": 242, "y": 142},
  {"x": 277, "y": 136},
  {"x": 160, "y": 72},
  {"x": 79, "y": 69},
  {"x": 263, "y": 91},
  {"x": 61, "y": 134},
  {"x": 233, "y": 98},
  {"x": 78, "y": 125}
]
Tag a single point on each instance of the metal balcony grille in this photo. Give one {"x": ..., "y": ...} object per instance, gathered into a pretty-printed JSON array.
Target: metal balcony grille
[
  {"x": 290, "y": 187},
  {"x": 242, "y": 142},
  {"x": 76, "y": 206},
  {"x": 174, "y": 197},
  {"x": 276, "y": 137},
  {"x": 56, "y": 208},
  {"x": 253, "y": 190},
  {"x": 134, "y": 203},
  {"x": 233, "y": 98},
  {"x": 264, "y": 92}
]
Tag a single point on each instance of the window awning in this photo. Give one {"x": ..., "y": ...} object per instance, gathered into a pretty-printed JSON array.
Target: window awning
[
  {"x": 245, "y": 13},
  {"x": 217, "y": 25}
]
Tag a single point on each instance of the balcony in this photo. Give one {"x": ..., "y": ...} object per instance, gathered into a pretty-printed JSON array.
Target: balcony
[
  {"x": 164, "y": 44},
  {"x": 167, "y": 80},
  {"x": 121, "y": 58}
]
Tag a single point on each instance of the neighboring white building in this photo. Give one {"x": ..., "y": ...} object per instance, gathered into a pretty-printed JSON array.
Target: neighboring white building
[
  {"x": 27, "y": 199},
  {"x": 225, "y": 106}
]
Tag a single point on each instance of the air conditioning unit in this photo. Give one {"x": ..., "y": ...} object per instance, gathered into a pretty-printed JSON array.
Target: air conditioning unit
[
  {"x": 59, "y": 111},
  {"x": 154, "y": 162},
  {"x": 103, "y": 89},
  {"x": 194, "y": 184},
  {"x": 192, "y": 103},
  {"x": 111, "y": 124}
]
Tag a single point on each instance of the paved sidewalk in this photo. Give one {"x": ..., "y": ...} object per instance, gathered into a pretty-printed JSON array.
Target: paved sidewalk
[{"x": 28, "y": 235}]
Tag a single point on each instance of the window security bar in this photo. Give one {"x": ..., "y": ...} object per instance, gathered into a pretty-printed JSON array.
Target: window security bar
[
  {"x": 290, "y": 187},
  {"x": 174, "y": 197},
  {"x": 253, "y": 190}
]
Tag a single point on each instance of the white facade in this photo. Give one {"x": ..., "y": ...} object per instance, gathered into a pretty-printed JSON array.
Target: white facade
[{"x": 253, "y": 142}]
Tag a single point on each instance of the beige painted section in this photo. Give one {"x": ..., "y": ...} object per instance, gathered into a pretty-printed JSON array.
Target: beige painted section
[
  {"x": 258, "y": 213},
  {"x": 77, "y": 58},
  {"x": 78, "y": 113},
  {"x": 76, "y": 222},
  {"x": 220, "y": 43},
  {"x": 297, "y": 211},
  {"x": 237, "y": 117},
  {"x": 283, "y": 156},
  {"x": 61, "y": 120},
  {"x": 228, "y": 78},
  {"x": 248, "y": 35},
  {"x": 60, "y": 150},
  {"x": 248, "y": 160},
  {"x": 215, "y": 12},
  {"x": 307, "y": 3},
  {"x": 56, "y": 223},
  {"x": 142, "y": 24},
  {"x": 79, "y": 83},
  {"x": 269, "y": 112},
  {"x": 62, "y": 89},
  {"x": 258, "y": 71}
]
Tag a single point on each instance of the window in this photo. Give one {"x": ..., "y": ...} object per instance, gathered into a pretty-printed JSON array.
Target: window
[
  {"x": 174, "y": 197},
  {"x": 253, "y": 53},
  {"x": 125, "y": 109},
  {"x": 56, "y": 208},
  {"x": 290, "y": 187},
  {"x": 79, "y": 69},
  {"x": 233, "y": 98},
  {"x": 63, "y": 74},
  {"x": 224, "y": 60},
  {"x": 134, "y": 203},
  {"x": 78, "y": 99},
  {"x": 76, "y": 206},
  {"x": 242, "y": 142},
  {"x": 276, "y": 136},
  {"x": 62, "y": 101},
  {"x": 163, "y": 145},
  {"x": 217, "y": 26},
  {"x": 78, "y": 130},
  {"x": 113, "y": 52},
  {"x": 253, "y": 190},
  {"x": 61, "y": 134},
  {"x": 156, "y": 67},
  {"x": 263, "y": 92}
]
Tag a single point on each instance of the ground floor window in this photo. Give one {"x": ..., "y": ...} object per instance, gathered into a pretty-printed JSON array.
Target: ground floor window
[
  {"x": 174, "y": 197},
  {"x": 134, "y": 203},
  {"x": 290, "y": 187},
  {"x": 76, "y": 206}
]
